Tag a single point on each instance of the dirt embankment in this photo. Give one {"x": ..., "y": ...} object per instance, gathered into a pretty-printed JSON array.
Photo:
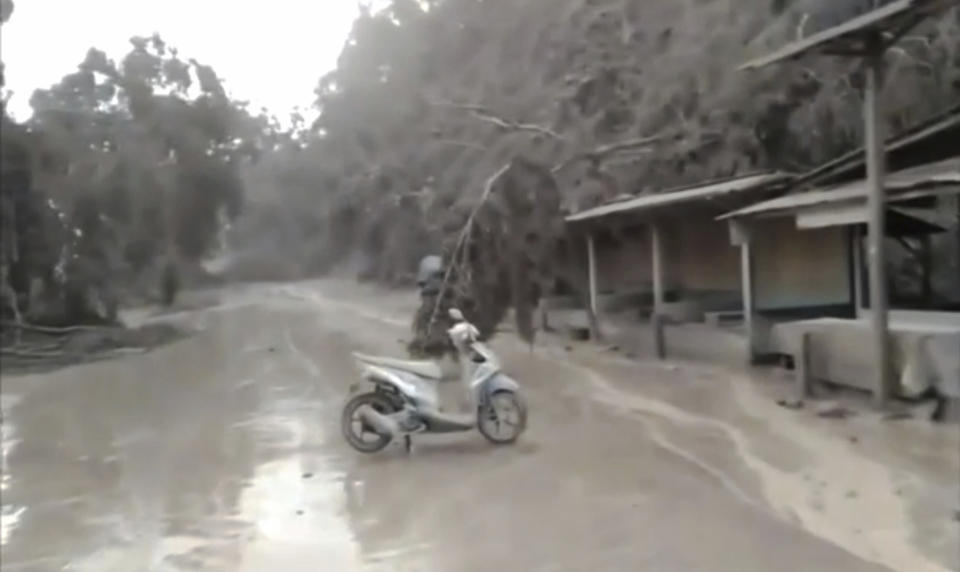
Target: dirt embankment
[{"x": 29, "y": 348}]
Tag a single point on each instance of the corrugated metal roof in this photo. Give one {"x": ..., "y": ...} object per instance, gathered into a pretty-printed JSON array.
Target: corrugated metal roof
[
  {"x": 939, "y": 174},
  {"x": 743, "y": 184},
  {"x": 944, "y": 124},
  {"x": 893, "y": 17}
]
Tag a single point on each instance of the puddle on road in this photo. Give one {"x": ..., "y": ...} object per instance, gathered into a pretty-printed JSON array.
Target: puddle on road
[{"x": 293, "y": 517}]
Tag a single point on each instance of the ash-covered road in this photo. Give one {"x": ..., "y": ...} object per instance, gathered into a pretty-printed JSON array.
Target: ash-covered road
[{"x": 223, "y": 452}]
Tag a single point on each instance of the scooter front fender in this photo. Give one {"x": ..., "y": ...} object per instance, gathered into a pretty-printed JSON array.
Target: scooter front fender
[{"x": 499, "y": 382}]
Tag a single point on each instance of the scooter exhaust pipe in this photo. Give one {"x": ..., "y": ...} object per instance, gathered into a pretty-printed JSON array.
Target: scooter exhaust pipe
[{"x": 383, "y": 425}]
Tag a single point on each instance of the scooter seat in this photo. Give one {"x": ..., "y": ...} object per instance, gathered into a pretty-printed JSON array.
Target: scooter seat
[{"x": 423, "y": 368}]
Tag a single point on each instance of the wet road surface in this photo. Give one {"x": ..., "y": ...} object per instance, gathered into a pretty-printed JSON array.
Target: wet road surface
[{"x": 223, "y": 452}]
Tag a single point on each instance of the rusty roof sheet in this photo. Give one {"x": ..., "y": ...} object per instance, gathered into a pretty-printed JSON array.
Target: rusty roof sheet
[
  {"x": 901, "y": 183},
  {"x": 703, "y": 192},
  {"x": 895, "y": 18}
]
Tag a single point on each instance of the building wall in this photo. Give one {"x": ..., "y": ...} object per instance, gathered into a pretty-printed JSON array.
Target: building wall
[
  {"x": 701, "y": 258},
  {"x": 699, "y": 261},
  {"x": 623, "y": 261},
  {"x": 799, "y": 268},
  {"x": 793, "y": 268}
]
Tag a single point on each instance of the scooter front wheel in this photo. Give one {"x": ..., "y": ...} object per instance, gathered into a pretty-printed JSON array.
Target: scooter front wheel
[
  {"x": 503, "y": 418},
  {"x": 357, "y": 433}
]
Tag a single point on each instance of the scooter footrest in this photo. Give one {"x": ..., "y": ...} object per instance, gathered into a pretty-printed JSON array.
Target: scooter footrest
[{"x": 448, "y": 422}]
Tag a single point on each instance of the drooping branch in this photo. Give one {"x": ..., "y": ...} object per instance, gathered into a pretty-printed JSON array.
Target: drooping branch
[{"x": 462, "y": 240}]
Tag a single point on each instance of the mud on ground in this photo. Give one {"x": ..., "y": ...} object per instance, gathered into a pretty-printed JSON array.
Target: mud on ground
[
  {"x": 29, "y": 348},
  {"x": 224, "y": 453}
]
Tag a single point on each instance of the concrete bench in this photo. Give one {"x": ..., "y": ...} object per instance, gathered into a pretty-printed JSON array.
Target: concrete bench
[{"x": 715, "y": 319}]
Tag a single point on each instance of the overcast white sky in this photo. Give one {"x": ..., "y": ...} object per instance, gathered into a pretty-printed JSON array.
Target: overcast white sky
[{"x": 271, "y": 53}]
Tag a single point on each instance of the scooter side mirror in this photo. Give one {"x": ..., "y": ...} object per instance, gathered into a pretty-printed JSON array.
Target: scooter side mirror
[{"x": 456, "y": 315}]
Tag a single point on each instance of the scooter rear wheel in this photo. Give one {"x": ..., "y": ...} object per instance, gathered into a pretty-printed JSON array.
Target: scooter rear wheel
[
  {"x": 358, "y": 435},
  {"x": 504, "y": 410}
]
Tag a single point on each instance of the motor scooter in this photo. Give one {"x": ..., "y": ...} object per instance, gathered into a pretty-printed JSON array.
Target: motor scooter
[{"x": 401, "y": 398}]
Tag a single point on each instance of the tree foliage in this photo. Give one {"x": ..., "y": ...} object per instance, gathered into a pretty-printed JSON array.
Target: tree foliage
[
  {"x": 124, "y": 167},
  {"x": 610, "y": 96},
  {"x": 136, "y": 163}
]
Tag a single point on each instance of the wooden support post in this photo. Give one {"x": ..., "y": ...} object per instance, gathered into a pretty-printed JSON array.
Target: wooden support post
[
  {"x": 749, "y": 309},
  {"x": 856, "y": 249},
  {"x": 659, "y": 339},
  {"x": 877, "y": 223},
  {"x": 740, "y": 235},
  {"x": 592, "y": 273},
  {"x": 656, "y": 255},
  {"x": 926, "y": 262},
  {"x": 801, "y": 366}
]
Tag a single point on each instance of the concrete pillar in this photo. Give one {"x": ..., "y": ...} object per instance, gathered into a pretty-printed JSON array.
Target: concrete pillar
[
  {"x": 876, "y": 209},
  {"x": 656, "y": 256}
]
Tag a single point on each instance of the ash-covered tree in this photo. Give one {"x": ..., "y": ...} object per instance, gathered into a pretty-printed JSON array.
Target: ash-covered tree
[
  {"x": 430, "y": 98},
  {"x": 138, "y": 161}
]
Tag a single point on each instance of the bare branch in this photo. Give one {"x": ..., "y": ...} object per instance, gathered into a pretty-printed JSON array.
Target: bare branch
[
  {"x": 485, "y": 114},
  {"x": 595, "y": 155},
  {"x": 629, "y": 144},
  {"x": 515, "y": 126},
  {"x": 910, "y": 57},
  {"x": 455, "y": 105},
  {"x": 919, "y": 39},
  {"x": 457, "y": 143},
  {"x": 604, "y": 151},
  {"x": 812, "y": 74},
  {"x": 800, "y": 31},
  {"x": 625, "y": 160}
]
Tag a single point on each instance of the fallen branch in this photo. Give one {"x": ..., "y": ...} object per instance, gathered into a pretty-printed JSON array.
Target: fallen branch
[
  {"x": 461, "y": 240},
  {"x": 58, "y": 345},
  {"x": 64, "y": 356},
  {"x": 35, "y": 354},
  {"x": 53, "y": 330}
]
